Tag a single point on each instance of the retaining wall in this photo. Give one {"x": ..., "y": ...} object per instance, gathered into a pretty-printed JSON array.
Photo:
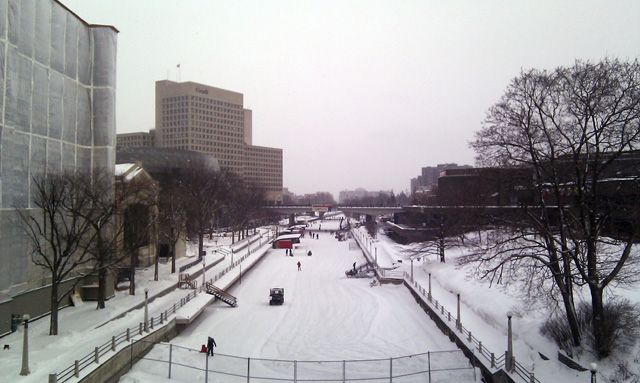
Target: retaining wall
[
  {"x": 489, "y": 374},
  {"x": 119, "y": 364}
]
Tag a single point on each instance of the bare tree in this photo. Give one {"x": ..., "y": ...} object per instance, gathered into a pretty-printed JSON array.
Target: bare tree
[
  {"x": 443, "y": 231},
  {"x": 172, "y": 217},
  {"x": 574, "y": 126},
  {"x": 57, "y": 232},
  {"x": 205, "y": 190},
  {"x": 246, "y": 201},
  {"x": 121, "y": 221}
]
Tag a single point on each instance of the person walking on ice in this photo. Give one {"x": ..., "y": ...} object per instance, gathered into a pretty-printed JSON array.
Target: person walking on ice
[
  {"x": 299, "y": 266},
  {"x": 210, "y": 344}
]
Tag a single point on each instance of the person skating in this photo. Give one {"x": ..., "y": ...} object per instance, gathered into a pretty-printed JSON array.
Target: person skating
[
  {"x": 299, "y": 266},
  {"x": 210, "y": 344}
]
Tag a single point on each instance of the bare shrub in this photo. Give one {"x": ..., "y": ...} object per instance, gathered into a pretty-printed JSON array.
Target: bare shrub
[
  {"x": 620, "y": 315},
  {"x": 557, "y": 328},
  {"x": 621, "y": 330},
  {"x": 624, "y": 373}
]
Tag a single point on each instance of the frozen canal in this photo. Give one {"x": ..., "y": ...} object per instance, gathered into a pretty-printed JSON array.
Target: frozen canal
[{"x": 326, "y": 319}]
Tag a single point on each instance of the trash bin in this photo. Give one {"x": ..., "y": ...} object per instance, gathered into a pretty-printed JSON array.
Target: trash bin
[{"x": 16, "y": 320}]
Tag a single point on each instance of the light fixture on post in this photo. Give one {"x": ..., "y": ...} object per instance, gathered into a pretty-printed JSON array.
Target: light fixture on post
[
  {"x": 593, "y": 368},
  {"x": 458, "y": 322},
  {"x": 204, "y": 280},
  {"x": 25, "y": 346},
  {"x": 146, "y": 310},
  {"x": 508, "y": 363}
]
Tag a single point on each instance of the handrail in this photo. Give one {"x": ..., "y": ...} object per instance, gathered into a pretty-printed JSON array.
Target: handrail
[{"x": 126, "y": 335}]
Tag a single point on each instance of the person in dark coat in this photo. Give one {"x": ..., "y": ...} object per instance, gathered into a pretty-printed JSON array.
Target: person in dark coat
[{"x": 210, "y": 344}]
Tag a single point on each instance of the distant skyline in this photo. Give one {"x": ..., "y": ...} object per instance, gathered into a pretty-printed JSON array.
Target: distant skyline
[{"x": 356, "y": 93}]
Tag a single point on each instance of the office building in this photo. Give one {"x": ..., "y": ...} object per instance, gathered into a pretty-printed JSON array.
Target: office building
[
  {"x": 205, "y": 119},
  {"x": 136, "y": 140}
]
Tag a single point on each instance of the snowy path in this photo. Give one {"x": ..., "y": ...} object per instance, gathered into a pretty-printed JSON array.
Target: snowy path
[{"x": 326, "y": 316}]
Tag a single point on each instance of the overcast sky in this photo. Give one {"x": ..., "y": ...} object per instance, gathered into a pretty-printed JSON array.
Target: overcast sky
[{"x": 356, "y": 93}]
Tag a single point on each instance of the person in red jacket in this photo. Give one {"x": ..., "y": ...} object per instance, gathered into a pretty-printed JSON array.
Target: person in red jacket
[{"x": 299, "y": 266}]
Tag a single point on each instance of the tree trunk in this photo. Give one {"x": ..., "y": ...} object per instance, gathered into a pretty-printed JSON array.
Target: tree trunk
[
  {"x": 173, "y": 257},
  {"x": 102, "y": 285},
  {"x": 155, "y": 272},
  {"x": 200, "y": 244},
  {"x": 132, "y": 274},
  {"x": 570, "y": 312},
  {"x": 53, "y": 323},
  {"x": 599, "y": 322}
]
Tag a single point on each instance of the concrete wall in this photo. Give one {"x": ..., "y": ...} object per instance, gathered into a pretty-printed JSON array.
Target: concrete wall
[
  {"x": 490, "y": 375},
  {"x": 111, "y": 370},
  {"x": 37, "y": 302}
]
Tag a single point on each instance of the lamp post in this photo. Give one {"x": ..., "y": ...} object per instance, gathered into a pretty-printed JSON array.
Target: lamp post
[
  {"x": 411, "y": 269},
  {"x": 458, "y": 322},
  {"x": 508, "y": 363},
  {"x": 593, "y": 368},
  {"x": 146, "y": 310},
  {"x": 204, "y": 280},
  {"x": 429, "y": 287},
  {"x": 25, "y": 346}
]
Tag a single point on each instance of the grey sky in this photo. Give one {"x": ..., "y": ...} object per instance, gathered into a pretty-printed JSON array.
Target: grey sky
[{"x": 356, "y": 93}]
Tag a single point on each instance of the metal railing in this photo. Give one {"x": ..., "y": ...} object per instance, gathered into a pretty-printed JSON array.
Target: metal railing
[
  {"x": 126, "y": 336},
  {"x": 495, "y": 361},
  {"x": 183, "y": 363}
]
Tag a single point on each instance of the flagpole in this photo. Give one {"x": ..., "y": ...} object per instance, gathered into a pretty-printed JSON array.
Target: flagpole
[{"x": 179, "y": 73}]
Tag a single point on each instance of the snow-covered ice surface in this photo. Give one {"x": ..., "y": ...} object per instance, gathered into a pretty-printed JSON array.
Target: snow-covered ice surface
[{"x": 326, "y": 316}]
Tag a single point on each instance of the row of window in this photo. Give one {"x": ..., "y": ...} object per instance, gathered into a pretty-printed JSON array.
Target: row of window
[{"x": 199, "y": 101}]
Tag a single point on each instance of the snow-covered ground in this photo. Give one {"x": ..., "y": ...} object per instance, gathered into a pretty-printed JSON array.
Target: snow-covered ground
[{"x": 326, "y": 316}]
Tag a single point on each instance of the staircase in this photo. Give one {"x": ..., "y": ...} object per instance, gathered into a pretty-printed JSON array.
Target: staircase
[
  {"x": 222, "y": 295},
  {"x": 185, "y": 281},
  {"x": 361, "y": 271}
]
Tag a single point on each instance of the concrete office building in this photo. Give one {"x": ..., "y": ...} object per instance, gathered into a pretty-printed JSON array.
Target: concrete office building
[
  {"x": 210, "y": 120},
  {"x": 57, "y": 113},
  {"x": 137, "y": 140}
]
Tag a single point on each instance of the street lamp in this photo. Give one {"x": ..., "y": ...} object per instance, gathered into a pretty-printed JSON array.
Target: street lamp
[
  {"x": 458, "y": 322},
  {"x": 376, "y": 256},
  {"x": 204, "y": 281},
  {"x": 146, "y": 310},
  {"x": 509, "y": 360},
  {"x": 25, "y": 346},
  {"x": 411, "y": 269},
  {"x": 429, "y": 287},
  {"x": 593, "y": 368}
]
